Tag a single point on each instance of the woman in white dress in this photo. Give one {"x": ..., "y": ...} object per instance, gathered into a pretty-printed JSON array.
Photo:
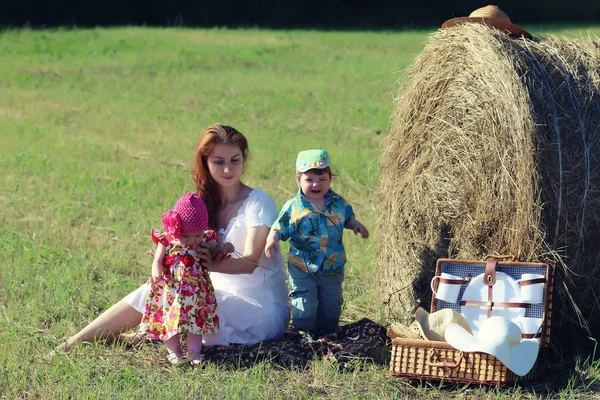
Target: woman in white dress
[{"x": 252, "y": 295}]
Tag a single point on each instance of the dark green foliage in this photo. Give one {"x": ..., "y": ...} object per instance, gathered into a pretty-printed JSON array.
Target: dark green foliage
[{"x": 324, "y": 14}]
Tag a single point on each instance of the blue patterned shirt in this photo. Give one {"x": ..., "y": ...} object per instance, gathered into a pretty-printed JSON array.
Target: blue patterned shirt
[{"x": 315, "y": 236}]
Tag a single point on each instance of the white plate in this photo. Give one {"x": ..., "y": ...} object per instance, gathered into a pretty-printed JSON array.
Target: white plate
[{"x": 506, "y": 289}]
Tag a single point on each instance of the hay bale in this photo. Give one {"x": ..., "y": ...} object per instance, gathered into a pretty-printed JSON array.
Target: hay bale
[{"x": 493, "y": 148}]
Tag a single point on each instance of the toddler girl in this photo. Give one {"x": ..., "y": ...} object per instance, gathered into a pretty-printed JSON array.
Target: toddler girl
[{"x": 181, "y": 298}]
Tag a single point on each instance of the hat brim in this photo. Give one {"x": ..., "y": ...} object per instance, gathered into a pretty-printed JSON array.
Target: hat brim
[
  {"x": 308, "y": 169},
  {"x": 422, "y": 323},
  {"x": 430, "y": 326},
  {"x": 512, "y": 29},
  {"x": 397, "y": 330},
  {"x": 519, "y": 358}
]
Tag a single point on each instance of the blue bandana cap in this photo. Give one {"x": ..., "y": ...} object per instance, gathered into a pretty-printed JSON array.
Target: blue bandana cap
[{"x": 312, "y": 159}]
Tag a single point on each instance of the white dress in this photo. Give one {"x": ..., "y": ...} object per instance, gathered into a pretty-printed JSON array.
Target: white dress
[{"x": 251, "y": 307}]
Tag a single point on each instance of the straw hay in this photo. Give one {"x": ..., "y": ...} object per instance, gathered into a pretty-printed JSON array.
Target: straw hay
[{"x": 493, "y": 148}]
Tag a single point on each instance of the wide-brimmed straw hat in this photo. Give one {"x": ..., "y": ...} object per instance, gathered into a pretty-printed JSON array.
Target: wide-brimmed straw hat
[
  {"x": 398, "y": 330},
  {"x": 492, "y": 16},
  {"x": 500, "y": 338},
  {"x": 428, "y": 326},
  {"x": 433, "y": 325}
]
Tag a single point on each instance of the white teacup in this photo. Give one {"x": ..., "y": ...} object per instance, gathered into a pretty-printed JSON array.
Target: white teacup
[
  {"x": 532, "y": 292},
  {"x": 530, "y": 327},
  {"x": 447, "y": 291}
]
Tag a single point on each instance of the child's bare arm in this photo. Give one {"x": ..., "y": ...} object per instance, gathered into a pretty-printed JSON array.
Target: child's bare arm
[
  {"x": 272, "y": 245},
  {"x": 356, "y": 226},
  {"x": 158, "y": 267}
]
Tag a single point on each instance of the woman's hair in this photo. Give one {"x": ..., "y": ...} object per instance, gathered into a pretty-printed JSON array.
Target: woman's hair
[{"x": 205, "y": 184}]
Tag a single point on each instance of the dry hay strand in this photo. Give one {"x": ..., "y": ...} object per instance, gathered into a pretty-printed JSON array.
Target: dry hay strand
[{"x": 493, "y": 148}]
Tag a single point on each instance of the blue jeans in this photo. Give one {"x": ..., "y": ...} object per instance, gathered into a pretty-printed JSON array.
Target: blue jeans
[{"x": 316, "y": 299}]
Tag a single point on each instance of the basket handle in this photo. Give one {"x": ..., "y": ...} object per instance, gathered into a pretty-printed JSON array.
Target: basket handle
[
  {"x": 444, "y": 364},
  {"x": 509, "y": 257}
]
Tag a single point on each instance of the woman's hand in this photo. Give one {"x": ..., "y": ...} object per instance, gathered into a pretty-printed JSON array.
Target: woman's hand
[
  {"x": 227, "y": 248},
  {"x": 246, "y": 261},
  {"x": 224, "y": 252},
  {"x": 272, "y": 245},
  {"x": 209, "y": 262}
]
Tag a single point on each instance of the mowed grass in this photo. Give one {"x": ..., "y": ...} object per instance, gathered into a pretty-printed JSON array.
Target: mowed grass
[{"x": 98, "y": 130}]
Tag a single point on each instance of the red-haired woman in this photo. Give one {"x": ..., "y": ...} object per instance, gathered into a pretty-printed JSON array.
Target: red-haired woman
[{"x": 251, "y": 292}]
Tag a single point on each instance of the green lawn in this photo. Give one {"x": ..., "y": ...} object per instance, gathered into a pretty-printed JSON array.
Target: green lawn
[{"x": 98, "y": 129}]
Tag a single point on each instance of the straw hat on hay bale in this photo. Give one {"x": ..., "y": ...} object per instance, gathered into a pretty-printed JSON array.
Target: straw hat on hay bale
[
  {"x": 494, "y": 148},
  {"x": 492, "y": 16}
]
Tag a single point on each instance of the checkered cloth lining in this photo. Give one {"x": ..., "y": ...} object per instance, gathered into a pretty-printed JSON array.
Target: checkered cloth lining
[{"x": 462, "y": 270}]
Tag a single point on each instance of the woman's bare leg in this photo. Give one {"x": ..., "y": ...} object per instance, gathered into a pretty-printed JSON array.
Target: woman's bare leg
[{"x": 112, "y": 322}]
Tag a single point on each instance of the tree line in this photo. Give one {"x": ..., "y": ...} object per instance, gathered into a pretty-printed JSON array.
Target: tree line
[{"x": 317, "y": 14}]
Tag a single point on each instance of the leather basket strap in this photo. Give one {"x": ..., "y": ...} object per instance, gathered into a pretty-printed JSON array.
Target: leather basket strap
[
  {"x": 491, "y": 304},
  {"x": 532, "y": 281},
  {"x": 509, "y": 257},
  {"x": 489, "y": 279},
  {"x": 453, "y": 281}
]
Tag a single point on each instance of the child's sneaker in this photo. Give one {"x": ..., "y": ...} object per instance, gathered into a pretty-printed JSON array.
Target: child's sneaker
[{"x": 307, "y": 337}]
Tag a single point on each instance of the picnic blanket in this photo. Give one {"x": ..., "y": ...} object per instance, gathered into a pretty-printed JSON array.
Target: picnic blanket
[{"x": 347, "y": 346}]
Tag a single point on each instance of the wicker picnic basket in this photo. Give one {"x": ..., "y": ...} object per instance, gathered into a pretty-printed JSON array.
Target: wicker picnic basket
[{"x": 433, "y": 360}]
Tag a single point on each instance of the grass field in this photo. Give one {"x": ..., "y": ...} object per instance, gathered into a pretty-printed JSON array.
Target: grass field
[{"x": 98, "y": 128}]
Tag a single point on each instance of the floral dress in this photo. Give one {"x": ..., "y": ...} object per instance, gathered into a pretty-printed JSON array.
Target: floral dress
[
  {"x": 184, "y": 301},
  {"x": 252, "y": 307}
]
